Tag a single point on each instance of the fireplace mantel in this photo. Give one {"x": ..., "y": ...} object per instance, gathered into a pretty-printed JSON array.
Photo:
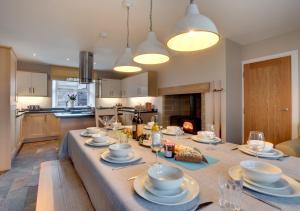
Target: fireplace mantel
[{"x": 185, "y": 89}]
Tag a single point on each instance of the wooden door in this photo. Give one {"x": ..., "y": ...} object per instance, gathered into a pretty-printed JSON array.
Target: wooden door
[{"x": 267, "y": 99}]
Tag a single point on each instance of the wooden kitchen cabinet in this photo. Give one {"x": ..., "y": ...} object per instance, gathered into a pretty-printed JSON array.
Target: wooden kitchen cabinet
[
  {"x": 40, "y": 126},
  {"x": 110, "y": 88},
  {"x": 19, "y": 136},
  {"x": 31, "y": 84}
]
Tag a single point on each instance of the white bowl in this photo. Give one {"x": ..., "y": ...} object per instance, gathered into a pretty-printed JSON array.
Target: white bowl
[
  {"x": 116, "y": 124},
  {"x": 150, "y": 124},
  {"x": 172, "y": 129},
  {"x": 164, "y": 177},
  {"x": 260, "y": 172},
  {"x": 206, "y": 134},
  {"x": 99, "y": 138},
  {"x": 119, "y": 150},
  {"x": 92, "y": 130},
  {"x": 255, "y": 143},
  {"x": 268, "y": 147}
]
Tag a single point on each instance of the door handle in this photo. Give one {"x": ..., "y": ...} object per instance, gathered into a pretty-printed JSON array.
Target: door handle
[{"x": 285, "y": 109}]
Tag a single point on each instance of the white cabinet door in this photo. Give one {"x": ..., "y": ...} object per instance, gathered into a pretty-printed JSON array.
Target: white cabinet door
[
  {"x": 115, "y": 87},
  {"x": 24, "y": 83},
  {"x": 39, "y": 84},
  {"x": 124, "y": 87},
  {"x": 110, "y": 88}
]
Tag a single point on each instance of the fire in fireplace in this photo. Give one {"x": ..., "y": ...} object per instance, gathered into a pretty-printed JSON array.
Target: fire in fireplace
[{"x": 190, "y": 123}]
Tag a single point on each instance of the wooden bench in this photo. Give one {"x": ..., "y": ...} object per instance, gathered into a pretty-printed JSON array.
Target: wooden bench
[{"x": 60, "y": 188}]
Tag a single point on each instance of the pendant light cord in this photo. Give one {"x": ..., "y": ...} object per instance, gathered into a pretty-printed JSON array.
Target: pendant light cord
[
  {"x": 151, "y": 5},
  {"x": 127, "y": 40}
]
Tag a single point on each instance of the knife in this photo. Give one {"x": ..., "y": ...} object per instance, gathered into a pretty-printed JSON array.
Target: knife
[
  {"x": 203, "y": 157},
  {"x": 202, "y": 205}
]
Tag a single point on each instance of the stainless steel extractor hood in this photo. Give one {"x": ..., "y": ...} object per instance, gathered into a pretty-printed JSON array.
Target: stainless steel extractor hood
[{"x": 86, "y": 62}]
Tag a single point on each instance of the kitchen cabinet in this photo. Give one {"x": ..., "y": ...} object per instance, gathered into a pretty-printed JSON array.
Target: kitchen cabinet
[
  {"x": 31, "y": 84},
  {"x": 19, "y": 138},
  {"x": 40, "y": 126},
  {"x": 140, "y": 85},
  {"x": 8, "y": 63},
  {"x": 110, "y": 88}
]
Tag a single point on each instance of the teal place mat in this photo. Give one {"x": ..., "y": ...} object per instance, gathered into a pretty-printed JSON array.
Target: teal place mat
[{"x": 189, "y": 165}]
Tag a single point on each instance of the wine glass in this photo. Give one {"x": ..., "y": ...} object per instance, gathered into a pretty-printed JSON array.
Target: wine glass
[
  {"x": 256, "y": 141},
  {"x": 211, "y": 128},
  {"x": 156, "y": 144},
  {"x": 105, "y": 121}
]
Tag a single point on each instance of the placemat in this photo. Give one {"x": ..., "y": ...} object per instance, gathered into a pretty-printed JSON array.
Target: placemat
[{"x": 189, "y": 165}]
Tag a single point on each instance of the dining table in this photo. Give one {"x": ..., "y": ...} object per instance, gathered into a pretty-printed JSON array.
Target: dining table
[{"x": 110, "y": 189}]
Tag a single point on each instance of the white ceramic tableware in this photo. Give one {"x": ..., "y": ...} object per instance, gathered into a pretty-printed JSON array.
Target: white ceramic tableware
[
  {"x": 206, "y": 135},
  {"x": 292, "y": 191},
  {"x": 150, "y": 124},
  {"x": 92, "y": 130},
  {"x": 92, "y": 143},
  {"x": 99, "y": 138},
  {"x": 273, "y": 154},
  {"x": 254, "y": 143},
  {"x": 119, "y": 150},
  {"x": 206, "y": 141},
  {"x": 165, "y": 177},
  {"x": 172, "y": 129},
  {"x": 281, "y": 184},
  {"x": 192, "y": 188},
  {"x": 259, "y": 171},
  {"x": 116, "y": 125},
  {"x": 126, "y": 160}
]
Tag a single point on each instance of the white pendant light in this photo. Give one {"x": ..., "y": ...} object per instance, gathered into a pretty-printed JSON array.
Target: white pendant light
[
  {"x": 151, "y": 51},
  {"x": 125, "y": 62},
  {"x": 194, "y": 32}
]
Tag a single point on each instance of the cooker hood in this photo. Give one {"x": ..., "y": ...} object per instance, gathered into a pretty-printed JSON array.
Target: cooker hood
[{"x": 86, "y": 62}]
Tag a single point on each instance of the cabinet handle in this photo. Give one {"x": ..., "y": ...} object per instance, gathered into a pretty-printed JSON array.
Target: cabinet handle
[{"x": 33, "y": 90}]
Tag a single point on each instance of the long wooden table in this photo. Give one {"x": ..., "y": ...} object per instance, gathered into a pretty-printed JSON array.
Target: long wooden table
[{"x": 110, "y": 190}]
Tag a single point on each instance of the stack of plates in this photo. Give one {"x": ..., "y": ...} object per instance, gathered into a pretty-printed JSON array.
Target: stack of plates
[
  {"x": 206, "y": 141},
  {"x": 273, "y": 154},
  {"x": 86, "y": 134},
  {"x": 92, "y": 142},
  {"x": 166, "y": 132},
  {"x": 132, "y": 157},
  {"x": 188, "y": 191},
  {"x": 285, "y": 187}
]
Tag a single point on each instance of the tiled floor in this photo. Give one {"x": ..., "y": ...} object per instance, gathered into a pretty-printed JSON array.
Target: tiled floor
[{"x": 18, "y": 186}]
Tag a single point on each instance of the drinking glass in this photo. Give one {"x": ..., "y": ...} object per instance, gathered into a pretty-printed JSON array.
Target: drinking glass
[
  {"x": 178, "y": 132},
  {"x": 258, "y": 141},
  {"x": 211, "y": 128},
  {"x": 230, "y": 192},
  {"x": 156, "y": 144}
]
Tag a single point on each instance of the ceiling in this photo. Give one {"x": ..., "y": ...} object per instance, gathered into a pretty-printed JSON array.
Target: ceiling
[{"x": 58, "y": 29}]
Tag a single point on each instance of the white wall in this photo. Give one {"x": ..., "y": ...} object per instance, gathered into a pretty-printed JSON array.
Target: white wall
[
  {"x": 23, "y": 102},
  {"x": 233, "y": 92},
  {"x": 278, "y": 45}
]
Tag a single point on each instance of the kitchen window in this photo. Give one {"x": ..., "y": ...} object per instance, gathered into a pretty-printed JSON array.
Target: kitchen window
[{"x": 61, "y": 89}]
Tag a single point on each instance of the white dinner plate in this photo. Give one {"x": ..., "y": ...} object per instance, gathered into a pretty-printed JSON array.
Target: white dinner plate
[
  {"x": 147, "y": 127},
  {"x": 292, "y": 191},
  {"x": 146, "y": 143},
  {"x": 86, "y": 134},
  {"x": 175, "y": 194},
  {"x": 206, "y": 141},
  {"x": 119, "y": 128},
  {"x": 106, "y": 156},
  {"x": 93, "y": 143},
  {"x": 191, "y": 186},
  {"x": 164, "y": 131},
  {"x": 279, "y": 185},
  {"x": 272, "y": 154}
]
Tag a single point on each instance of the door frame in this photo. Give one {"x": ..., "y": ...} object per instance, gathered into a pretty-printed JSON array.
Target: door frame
[{"x": 294, "y": 86}]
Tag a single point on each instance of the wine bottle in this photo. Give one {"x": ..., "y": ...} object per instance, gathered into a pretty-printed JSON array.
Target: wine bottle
[
  {"x": 134, "y": 126},
  {"x": 155, "y": 135},
  {"x": 139, "y": 125}
]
